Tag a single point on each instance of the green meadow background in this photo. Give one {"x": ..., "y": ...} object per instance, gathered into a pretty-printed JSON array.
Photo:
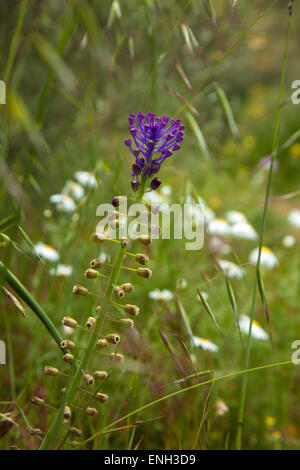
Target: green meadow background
[{"x": 74, "y": 71}]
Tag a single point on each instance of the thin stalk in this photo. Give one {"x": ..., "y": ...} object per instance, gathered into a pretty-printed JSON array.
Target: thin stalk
[
  {"x": 11, "y": 279},
  {"x": 183, "y": 390},
  {"x": 264, "y": 217}
]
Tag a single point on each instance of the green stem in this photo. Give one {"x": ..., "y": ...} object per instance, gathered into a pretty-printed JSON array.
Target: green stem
[
  {"x": 274, "y": 153},
  {"x": 9, "y": 277}
]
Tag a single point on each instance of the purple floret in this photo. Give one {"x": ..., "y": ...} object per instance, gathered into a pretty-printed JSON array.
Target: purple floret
[{"x": 155, "y": 139}]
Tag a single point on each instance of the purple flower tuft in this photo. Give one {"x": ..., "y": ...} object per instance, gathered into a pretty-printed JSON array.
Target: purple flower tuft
[{"x": 155, "y": 139}]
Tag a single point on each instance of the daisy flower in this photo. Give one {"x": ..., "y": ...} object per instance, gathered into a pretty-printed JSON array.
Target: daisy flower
[
  {"x": 235, "y": 217},
  {"x": 46, "y": 251},
  {"x": 205, "y": 344},
  {"x": 61, "y": 270},
  {"x": 73, "y": 189},
  {"x": 243, "y": 230},
  {"x": 294, "y": 217},
  {"x": 267, "y": 260},
  {"x": 85, "y": 178},
  {"x": 221, "y": 407},
  {"x": 231, "y": 269},
  {"x": 63, "y": 202},
  {"x": 161, "y": 295},
  {"x": 288, "y": 241},
  {"x": 257, "y": 331},
  {"x": 219, "y": 226}
]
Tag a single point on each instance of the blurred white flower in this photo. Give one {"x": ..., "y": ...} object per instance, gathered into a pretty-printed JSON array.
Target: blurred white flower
[
  {"x": 209, "y": 215},
  {"x": 161, "y": 295},
  {"x": 219, "y": 226},
  {"x": 221, "y": 407},
  {"x": 63, "y": 202},
  {"x": 166, "y": 190},
  {"x": 218, "y": 246},
  {"x": 267, "y": 260},
  {"x": 86, "y": 179},
  {"x": 61, "y": 270},
  {"x": 231, "y": 269},
  {"x": 73, "y": 189},
  {"x": 235, "y": 217},
  {"x": 257, "y": 331},
  {"x": 46, "y": 251},
  {"x": 288, "y": 241},
  {"x": 68, "y": 331},
  {"x": 204, "y": 295},
  {"x": 243, "y": 230},
  {"x": 294, "y": 217},
  {"x": 205, "y": 344}
]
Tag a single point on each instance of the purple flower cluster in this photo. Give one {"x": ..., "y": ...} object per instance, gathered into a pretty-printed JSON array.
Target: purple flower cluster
[{"x": 155, "y": 139}]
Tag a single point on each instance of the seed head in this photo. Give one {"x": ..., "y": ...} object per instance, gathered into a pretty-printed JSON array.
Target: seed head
[
  {"x": 101, "y": 397},
  {"x": 68, "y": 357},
  {"x": 91, "y": 273},
  {"x": 142, "y": 259},
  {"x": 127, "y": 287},
  {"x": 80, "y": 290},
  {"x": 91, "y": 411},
  {"x": 144, "y": 272},
  {"x": 102, "y": 343},
  {"x": 89, "y": 379},
  {"x": 112, "y": 338},
  {"x": 116, "y": 201},
  {"x": 124, "y": 242},
  {"x": 67, "y": 344},
  {"x": 33, "y": 431},
  {"x": 37, "y": 401},
  {"x": 69, "y": 321},
  {"x": 90, "y": 323},
  {"x": 118, "y": 357},
  {"x": 145, "y": 239},
  {"x": 48, "y": 370},
  {"x": 100, "y": 374},
  {"x": 97, "y": 263},
  {"x": 119, "y": 291},
  {"x": 98, "y": 237},
  {"x": 67, "y": 412},
  {"x": 132, "y": 309},
  {"x": 76, "y": 431},
  {"x": 127, "y": 322}
]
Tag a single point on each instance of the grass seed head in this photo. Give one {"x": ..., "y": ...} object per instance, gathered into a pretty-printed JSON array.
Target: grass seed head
[
  {"x": 119, "y": 291},
  {"x": 124, "y": 242},
  {"x": 118, "y": 357},
  {"x": 127, "y": 322},
  {"x": 68, "y": 357},
  {"x": 37, "y": 401},
  {"x": 101, "y": 397},
  {"x": 145, "y": 239},
  {"x": 67, "y": 344},
  {"x": 91, "y": 273},
  {"x": 97, "y": 263},
  {"x": 75, "y": 431},
  {"x": 98, "y": 237},
  {"x": 100, "y": 374},
  {"x": 91, "y": 411},
  {"x": 89, "y": 379},
  {"x": 141, "y": 258},
  {"x": 67, "y": 412},
  {"x": 132, "y": 309},
  {"x": 127, "y": 287},
  {"x": 102, "y": 343}
]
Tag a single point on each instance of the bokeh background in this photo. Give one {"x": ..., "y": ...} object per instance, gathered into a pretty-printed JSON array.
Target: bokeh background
[{"x": 74, "y": 71}]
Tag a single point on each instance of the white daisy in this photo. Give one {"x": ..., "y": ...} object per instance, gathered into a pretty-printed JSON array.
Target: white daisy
[
  {"x": 221, "y": 407},
  {"x": 161, "y": 295},
  {"x": 205, "y": 344},
  {"x": 294, "y": 217},
  {"x": 219, "y": 226},
  {"x": 257, "y": 331},
  {"x": 73, "y": 189},
  {"x": 231, "y": 269},
  {"x": 288, "y": 241},
  {"x": 243, "y": 230},
  {"x": 235, "y": 217},
  {"x": 61, "y": 270},
  {"x": 46, "y": 251},
  {"x": 63, "y": 202},
  {"x": 86, "y": 179},
  {"x": 166, "y": 190},
  {"x": 209, "y": 214},
  {"x": 267, "y": 260}
]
